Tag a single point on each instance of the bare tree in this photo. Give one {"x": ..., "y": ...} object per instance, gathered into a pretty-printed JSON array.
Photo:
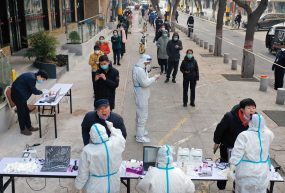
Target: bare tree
[
  {"x": 155, "y": 5},
  {"x": 248, "y": 60},
  {"x": 175, "y": 3},
  {"x": 187, "y": 5},
  {"x": 219, "y": 28},
  {"x": 198, "y": 5}
]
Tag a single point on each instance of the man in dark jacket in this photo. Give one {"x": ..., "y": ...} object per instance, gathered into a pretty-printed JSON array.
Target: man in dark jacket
[
  {"x": 173, "y": 51},
  {"x": 158, "y": 23},
  {"x": 116, "y": 46},
  {"x": 232, "y": 124},
  {"x": 106, "y": 81},
  {"x": 190, "y": 24},
  {"x": 100, "y": 116},
  {"x": 279, "y": 70},
  {"x": 190, "y": 70},
  {"x": 22, "y": 89}
]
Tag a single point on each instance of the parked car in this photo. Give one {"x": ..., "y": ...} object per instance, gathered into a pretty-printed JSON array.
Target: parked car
[
  {"x": 268, "y": 20},
  {"x": 275, "y": 38}
]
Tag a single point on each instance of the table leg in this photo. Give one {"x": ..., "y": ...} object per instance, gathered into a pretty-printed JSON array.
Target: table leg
[
  {"x": 128, "y": 186},
  {"x": 70, "y": 96},
  {"x": 58, "y": 108},
  {"x": 13, "y": 184},
  {"x": 55, "y": 127},
  {"x": 40, "y": 125},
  {"x": 1, "y": 185},
  {"x": 271, "y": 187}
]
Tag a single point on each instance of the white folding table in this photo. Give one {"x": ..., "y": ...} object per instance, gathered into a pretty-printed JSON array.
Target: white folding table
[{"x": 65, "y": 90}]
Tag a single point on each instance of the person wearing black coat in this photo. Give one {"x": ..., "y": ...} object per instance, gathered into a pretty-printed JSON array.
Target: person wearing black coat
[
  {"x": 22, "y": 89},
  {"x": 279, "y": 69},
  {"x": 190, "y": 24},
  {"x": 173, "y": 51},
  {"x": 231, "y": 125},
  {"x": 106, "y": 81},
  {"x": 100, "y": 116},
  {"x": 190, "y": 70}
]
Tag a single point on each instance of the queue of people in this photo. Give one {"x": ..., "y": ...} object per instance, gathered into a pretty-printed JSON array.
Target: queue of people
[{"x": 241, "y": 131}]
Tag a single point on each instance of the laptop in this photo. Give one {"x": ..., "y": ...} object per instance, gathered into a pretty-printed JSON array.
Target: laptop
[
  {"x": 149, "y": 156},
  {"x": 57, "y": 159},
  {"x": 51, "y": 98}
]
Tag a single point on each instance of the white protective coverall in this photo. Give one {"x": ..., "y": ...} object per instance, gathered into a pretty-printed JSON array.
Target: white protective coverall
[
  {"x": 250, "y": 155},
  {"x": 100, "y": 161},
  {"x": 141, "y": 83},
  {"x": 165, "y": 178}
]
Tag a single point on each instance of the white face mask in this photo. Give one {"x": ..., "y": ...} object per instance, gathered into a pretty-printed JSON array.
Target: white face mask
[{"x": 97, "y": 51}]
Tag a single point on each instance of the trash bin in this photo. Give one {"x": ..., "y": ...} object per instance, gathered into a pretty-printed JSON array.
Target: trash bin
[{"x": 263, "y": 83}]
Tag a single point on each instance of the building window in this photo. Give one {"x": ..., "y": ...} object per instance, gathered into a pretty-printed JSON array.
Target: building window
[{"x": 34, "y": 16}]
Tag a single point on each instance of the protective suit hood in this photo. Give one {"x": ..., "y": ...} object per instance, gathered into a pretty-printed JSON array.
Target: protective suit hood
[
  {"x": 98, "y": 134},
  {"x": 165, "y": 157},
  {"x": 257, "y": 121},
  {"x": 144, "y": 58}
]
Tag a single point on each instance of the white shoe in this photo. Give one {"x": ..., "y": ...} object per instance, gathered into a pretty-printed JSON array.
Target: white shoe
[{"x": 142, "y": 139}]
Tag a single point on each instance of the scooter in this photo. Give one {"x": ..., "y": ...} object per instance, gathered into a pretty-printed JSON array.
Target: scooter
[{"x": 143, "y": 41}]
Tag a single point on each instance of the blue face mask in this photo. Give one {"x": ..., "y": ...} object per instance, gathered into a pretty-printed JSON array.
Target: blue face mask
[
  {"x": 189, "y": 56},
  {"x": 40, "y": 81},
  {"x": 105, "y": 67}
]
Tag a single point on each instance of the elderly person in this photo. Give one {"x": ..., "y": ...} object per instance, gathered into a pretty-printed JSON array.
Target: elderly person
[
  {"x": 231, "y": 125},
  {"x": 250, "y": 157},
  {"x": 142, "y": 83},
  {"x": 106, "y": 81},
  {"x": 101, "y": 114},
  {"x": 165, "y": 178},
  {"x": 100, "y": 161}
]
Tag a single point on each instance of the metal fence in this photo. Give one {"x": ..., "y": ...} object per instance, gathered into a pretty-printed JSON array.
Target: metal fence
[
  {"x": 85, "y": 29},
  {"x": 5, "y": 71}
]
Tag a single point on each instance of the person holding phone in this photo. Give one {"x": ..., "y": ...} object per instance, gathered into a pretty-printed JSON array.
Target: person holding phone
[{"x": 231, "y": 125}]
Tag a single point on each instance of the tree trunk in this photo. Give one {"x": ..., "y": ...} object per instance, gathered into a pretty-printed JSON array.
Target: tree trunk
[
  {"x": 155, "y": 5},
  {"x": 248, "y": 60},
  {"x": 174, "y": 9},
  {"x": 219, "y": 28}
]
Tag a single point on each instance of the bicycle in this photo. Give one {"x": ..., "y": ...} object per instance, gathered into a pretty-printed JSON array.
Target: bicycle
[{"x": 142, "y": 44}]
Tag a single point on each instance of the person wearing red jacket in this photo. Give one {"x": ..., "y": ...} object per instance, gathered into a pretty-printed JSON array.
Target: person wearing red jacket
[{"x": 104, "y": 45}]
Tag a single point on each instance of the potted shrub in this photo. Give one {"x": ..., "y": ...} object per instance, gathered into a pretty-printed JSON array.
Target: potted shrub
[
  {"x": 74, "y": 37},
  {"x": 43, "y": 48}
]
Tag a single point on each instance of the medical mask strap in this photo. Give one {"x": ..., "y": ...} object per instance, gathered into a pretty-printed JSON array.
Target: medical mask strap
[{"x": 108, "y": 158}]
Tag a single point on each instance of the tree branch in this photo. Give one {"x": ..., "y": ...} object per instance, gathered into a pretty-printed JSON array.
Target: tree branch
[
  {"x": 261, "y": 7},
  {"x": 245, "y": 6}
]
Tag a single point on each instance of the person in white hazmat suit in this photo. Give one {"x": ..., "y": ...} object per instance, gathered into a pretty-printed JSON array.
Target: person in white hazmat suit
[
  {"x": 165, "y": 178},
  {"x": 250, "y": 158},
  {"x": 100, "y": 161},
  {"x": 141, "y": 85}
]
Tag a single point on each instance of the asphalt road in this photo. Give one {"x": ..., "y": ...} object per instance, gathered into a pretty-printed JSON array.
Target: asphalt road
[{"x": 233, "y": 40}]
